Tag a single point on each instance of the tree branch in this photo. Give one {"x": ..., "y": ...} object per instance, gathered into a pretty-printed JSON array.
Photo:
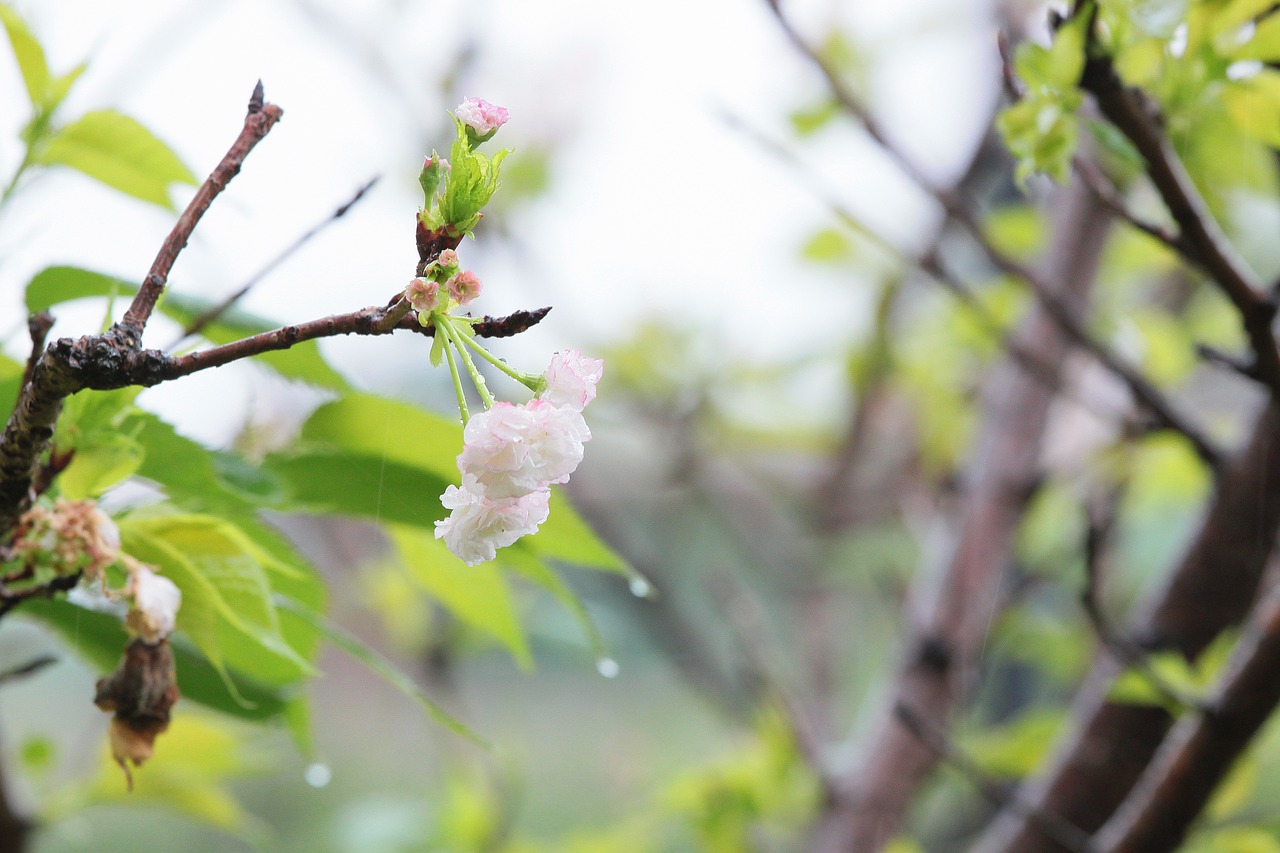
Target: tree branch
[
  {"x": 1147, "y": 395},
  {"x": 1200, "y": 240},
  {"x": 1202, "y": 747},
  {"x": 104, "y": 362},
  {"x": 257, "y": 123},
  {"x": 1107, "y": 745}
]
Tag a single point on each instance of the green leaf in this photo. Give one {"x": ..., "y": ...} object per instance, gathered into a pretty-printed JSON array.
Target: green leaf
[
  {"x": 30, "y": 55},
  {"x": 118, "y": 151},
  {"x": 194, "y": 761},
  {"x": 1265, "y": 44},
  {"x": 384, "y": 668},
  {"x": 324, "y": 480},
  {"x": 478, "y": 595},
  {"x": 1254, "y": 105},
  {"x": 541, "y": 574},
  {"x": 10, "y": 383},
  {"x": 396, "y": 431},
  {"x": 809, "y": 120},
  {"x": 100, "y": 639},
  {"x": 100, "y": 465},
  {"x": 55, "y": 285},
  {"x": 566, "y": 537},
  {"x": 227, "y": 604}
]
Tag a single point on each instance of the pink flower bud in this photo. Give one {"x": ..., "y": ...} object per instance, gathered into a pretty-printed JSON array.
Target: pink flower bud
[
  {"x": 423, "y": 294},
  {"x": 448, "y": 258},
  {"x": 481, "y": 116},
  {"x": 464, "y": 287}
]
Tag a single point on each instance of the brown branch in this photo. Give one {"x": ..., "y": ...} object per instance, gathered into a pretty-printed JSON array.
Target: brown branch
[
  {"x": 199, "y": 323},
  {"x": 1202, "y": 748},
  {"x": 957, "y": 597},
  {"x": 38, "y": 325},
  {"x": 257, "y": 123},
  {"x": 1108, "y": 745},
  {"x": 105, "y": 362},
  {"x": 1199, "y": 240}
]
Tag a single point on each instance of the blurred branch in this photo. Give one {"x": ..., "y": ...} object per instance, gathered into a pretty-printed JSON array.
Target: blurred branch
[
  {"x": 199, "y": 323},
  {"x": 1098, "y": 531},
  {"x": 1107, "y": 745},
  {"x": 1199, "y": 240},
  {"x": 956, "y": 599},
  {"x": 258, "y": 122},
  {"x": 31, "y": 667},
  {"x": 1070, "y": 837},
  {"x": 1202, "y": 748},
  {"x": 1147, "y": 395},
  {"x": 750, "y": 627}
]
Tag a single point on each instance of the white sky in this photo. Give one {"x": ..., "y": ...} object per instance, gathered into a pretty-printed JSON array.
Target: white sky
[{"x": 657, "y": 206}]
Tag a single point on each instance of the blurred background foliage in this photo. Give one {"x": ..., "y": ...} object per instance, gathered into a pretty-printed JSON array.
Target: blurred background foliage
[{"x": 764, "y": 512}]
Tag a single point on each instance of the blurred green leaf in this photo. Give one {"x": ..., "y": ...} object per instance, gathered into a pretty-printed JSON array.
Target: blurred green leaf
[
  {"x": 118, "y": 151},
  {"x": 1265, "y": 44},
  {"x": 828, "y": 246},
  {"x": 477, "y": 595},
  {"x": 810, "y": 119},
  {"x": 29, "y": 53},
  {"x": 1254, "y": 105},
  {"x": 100, "y": 639},
  {"x": 566, "y": 537},
  {"x": 1013, "y": 750},
  {"x": 384, "y": 668}
]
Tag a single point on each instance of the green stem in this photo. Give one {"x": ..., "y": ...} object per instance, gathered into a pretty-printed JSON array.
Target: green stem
[
  {"x": 456, "y": 338},
  {"x": 443, "y": 328},
  {"x": 528, "y": 380}
]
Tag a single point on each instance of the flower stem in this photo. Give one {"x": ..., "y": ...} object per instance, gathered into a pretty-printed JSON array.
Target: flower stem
[
  {"x": 456, "y": 339},
  {"x": 528, "y": 380},
  {"x": 443, "y": 328}
]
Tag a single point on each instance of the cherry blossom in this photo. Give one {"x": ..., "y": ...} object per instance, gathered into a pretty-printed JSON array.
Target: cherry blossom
[
  {"x": 512, "y": 450},
  {"x": 464, "y": 287},
  {"x": 481, "y": 116},
  {"x": 571, "y": 379},
  {"x": 423, "y": 294},
  {"x": 478, "y": 525}
]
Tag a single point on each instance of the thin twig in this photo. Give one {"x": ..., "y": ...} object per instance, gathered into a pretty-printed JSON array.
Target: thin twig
[
  {"x": 1107, "y": 193},
  {"x": 1071, "y": 837},
  {"x": 1098, "y": 531},
  {"x": 258, "y": 122},
  {"x": 749, "y": 625},
  {"x": 198, "y": 324},
  {"x": 31, "y": 667}
]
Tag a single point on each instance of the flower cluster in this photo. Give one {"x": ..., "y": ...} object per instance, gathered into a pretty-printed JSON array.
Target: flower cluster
[
  {"x": 442, "y": 286},
  {"x": 511, "y": 456}
]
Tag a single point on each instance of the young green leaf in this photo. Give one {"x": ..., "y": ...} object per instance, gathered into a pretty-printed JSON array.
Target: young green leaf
[
  {"x": 118, "y": 151},
  {"x": 30, "y": 56}
]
